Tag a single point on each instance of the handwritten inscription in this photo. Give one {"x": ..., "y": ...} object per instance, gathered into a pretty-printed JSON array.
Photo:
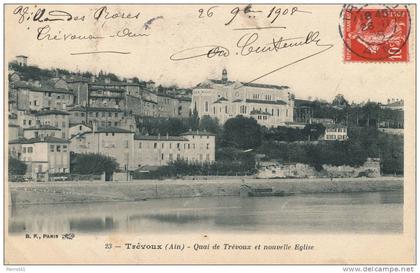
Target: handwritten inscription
[
  {"x": 48, "y": 31},
  {"x": 250, "y": 44}
]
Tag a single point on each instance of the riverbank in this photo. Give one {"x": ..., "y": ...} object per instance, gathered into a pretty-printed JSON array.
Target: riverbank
[{"x": 88, "y": 191}]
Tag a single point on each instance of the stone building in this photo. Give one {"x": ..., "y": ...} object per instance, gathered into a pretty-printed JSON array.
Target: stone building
[
  {"x": 194, "y": 147},
  {"x": 101, "y": 116},
  {"x": 56, "y": 118},
  {"x": 37, "y": 95},
  {"x": 110, "y": 141},
  {"x": 335, "y": 132},
  {"x": 42, "y": 155},
  {"x": 270, "y": 105}
]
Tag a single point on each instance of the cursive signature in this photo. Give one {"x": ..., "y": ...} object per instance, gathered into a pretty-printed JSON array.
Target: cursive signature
[
  {"x": 209, "y": 51},
  {"x": 249, "y": 44}
]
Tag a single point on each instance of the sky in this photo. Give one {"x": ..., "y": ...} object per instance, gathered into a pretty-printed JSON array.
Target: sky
[{"x": 171, "y": 29}]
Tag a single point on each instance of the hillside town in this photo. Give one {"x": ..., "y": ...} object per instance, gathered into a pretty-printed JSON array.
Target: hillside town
[{"x": 220, "y": 126}]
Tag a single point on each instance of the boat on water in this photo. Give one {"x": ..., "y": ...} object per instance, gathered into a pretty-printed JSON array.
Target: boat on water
[{"x": 248, "y": 191}]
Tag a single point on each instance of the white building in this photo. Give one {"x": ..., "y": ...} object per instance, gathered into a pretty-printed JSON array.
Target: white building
[
  {"x": 270, "y": 105},
  {"x": 335, "y": 132},
  {"x": 110, "y": 141},
  {"x": 42, "y": 155},
  {"x": 194, "y": 147}
]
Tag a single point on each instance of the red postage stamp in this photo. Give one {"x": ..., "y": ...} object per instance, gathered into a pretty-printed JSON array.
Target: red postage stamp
[{"x": 375, "y": 34}]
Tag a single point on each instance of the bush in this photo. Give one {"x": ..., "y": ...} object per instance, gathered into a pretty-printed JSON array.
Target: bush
[
  {"x": 242, "y": 132},
  {"x": 92, "y": 163},
  {"x": 16, "y": 167}
]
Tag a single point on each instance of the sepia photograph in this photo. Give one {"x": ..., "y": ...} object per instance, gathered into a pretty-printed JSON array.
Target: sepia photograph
[{"x": 209, "y": 134}]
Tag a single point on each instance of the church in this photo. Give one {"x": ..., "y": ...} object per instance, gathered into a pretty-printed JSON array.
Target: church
[{"x": 270, "y": 105}]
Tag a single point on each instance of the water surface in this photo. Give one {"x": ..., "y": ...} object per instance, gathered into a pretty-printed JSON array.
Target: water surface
[{"x": 378, "y": 212}]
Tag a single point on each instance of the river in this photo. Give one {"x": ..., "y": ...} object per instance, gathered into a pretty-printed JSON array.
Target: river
[{"x": 368, "y": 212}]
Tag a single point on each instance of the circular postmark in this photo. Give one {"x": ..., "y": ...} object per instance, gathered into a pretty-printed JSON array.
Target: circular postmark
[{"x": 375, "y": 33}]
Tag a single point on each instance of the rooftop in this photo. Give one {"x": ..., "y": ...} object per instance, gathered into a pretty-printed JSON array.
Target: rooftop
[
  {"x": 161, "y": 138},
  {"x": 51, "y": 112},
  {"x": 41, "y": 87},
  {"x": 278, "y": 102},
  {"x": 42, "y": 127},
  {"x": 95, "y": 109},
  {"x": 197, "y": 133},
  {"x": 48, "y": 139},
  {"x": 332, "y": 126},
  {"x": 111, "y": 129}
]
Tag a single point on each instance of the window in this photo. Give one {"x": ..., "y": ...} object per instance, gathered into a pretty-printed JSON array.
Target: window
[
  {"x": 155, "y": 145},
  {"x": 116, "y": 115},
  {"x": 51, "y": 148},
  {"x": 206, "y": 106},
  {"x": 177, "y": 145},
  {"x": 24, "y": 122},
  {"x": 106, "y": 134},
  {"x": 178, "y": 156},
  {"x": 58, "y": 97},
  {"x": 82, "y": 114},
  {"x": 170, "y": 145},
  {"x": 35, "y": 102},
  {"x": 29, "y": 122},
  {"x": 163, "y": 145},
  {"x": 24, "y": 150},
  {"x": 170, "y": 157},
  {"x": 115, "y": 123},
  {"x": 139, "y": 145},
  {"x": 113, "y": 134},
  {"x": 162, "y": 156},
  {"x": 109, "y": 114},
  {"x": 64, "y": 148},
  {"x": 80, "y": 127},
  {"x": 58, "y": 148},
  {"x": 208, "y": 145}
]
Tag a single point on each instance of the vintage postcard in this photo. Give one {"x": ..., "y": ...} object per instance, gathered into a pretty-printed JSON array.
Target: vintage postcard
[{"x": 209, "y": 134}]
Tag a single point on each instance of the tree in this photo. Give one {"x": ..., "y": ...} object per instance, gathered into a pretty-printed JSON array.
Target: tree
[
  {"x": 16, "y": 167},
  {"x": 92, "y": 164},
  {"x": 242, "y": 132},
  {"x": 194, "y": 120},
  {"x": 313, "y": 131},
  {"x": 340, "y": 101},
  {"x": 209, "y": 124}
]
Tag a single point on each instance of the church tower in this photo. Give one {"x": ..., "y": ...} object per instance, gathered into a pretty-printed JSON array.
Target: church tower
[{"x": 224, "y": 75}]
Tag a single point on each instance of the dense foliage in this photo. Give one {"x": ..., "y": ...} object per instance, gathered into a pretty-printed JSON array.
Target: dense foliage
[
  {"x": 310, "y": 132},
  {"x": 92, "y": 164},
  {"x": 242, "y": 132},
  {"x": 16, "y": 167},
  {"x": 362, "y": 143},
  {"x": 183, "y": 168}
]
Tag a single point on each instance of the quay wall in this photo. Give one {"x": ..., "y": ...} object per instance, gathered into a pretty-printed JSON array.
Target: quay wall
[{"x": 90, "y": 191}]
